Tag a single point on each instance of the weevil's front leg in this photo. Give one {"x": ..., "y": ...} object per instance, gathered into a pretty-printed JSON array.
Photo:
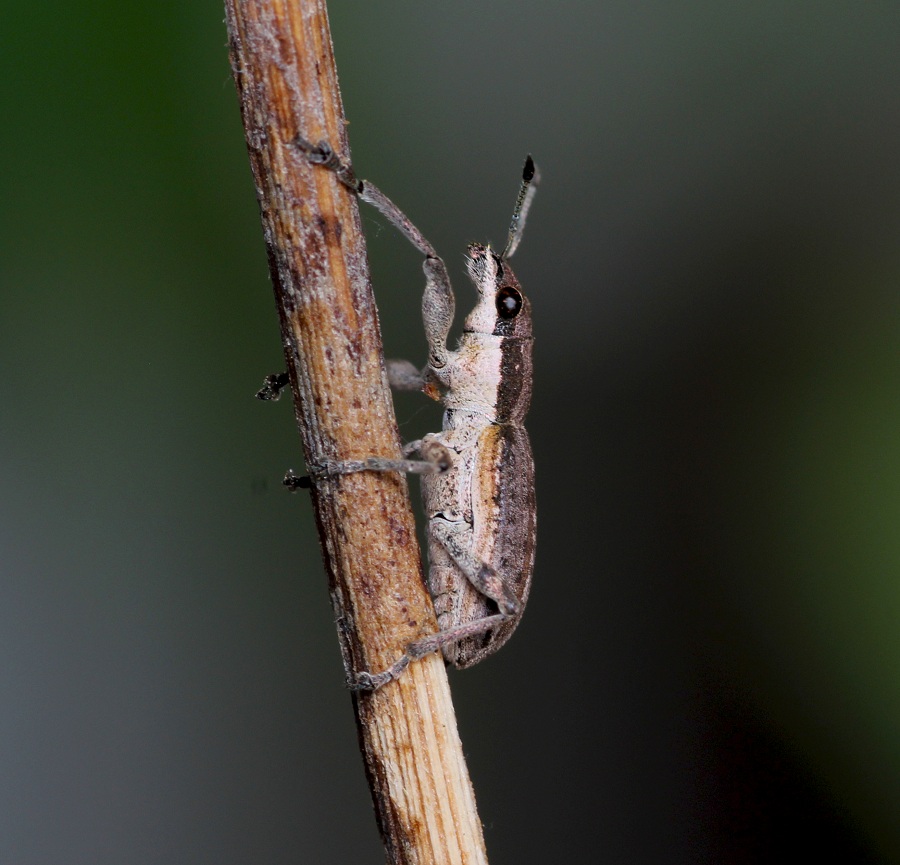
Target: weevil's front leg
[{"x": 437, "y": 301}]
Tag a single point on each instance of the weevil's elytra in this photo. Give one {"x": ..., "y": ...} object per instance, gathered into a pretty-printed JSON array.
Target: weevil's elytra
[{"x": 477, "y": 472}]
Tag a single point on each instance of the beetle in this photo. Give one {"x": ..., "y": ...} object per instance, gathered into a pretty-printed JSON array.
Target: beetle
[{"x": 477, "y": 473}]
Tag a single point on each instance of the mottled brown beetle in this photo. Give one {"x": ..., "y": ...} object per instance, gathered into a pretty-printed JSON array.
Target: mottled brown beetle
[{"x": 477, "y": 473}]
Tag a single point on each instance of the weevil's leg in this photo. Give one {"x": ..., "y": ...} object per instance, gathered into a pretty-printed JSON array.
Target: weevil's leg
[
  {"x": 431, "y": 450},
  {"x": 333, "y": 468},
  {"x": 296, "y": 482},
  {"x": 273, "y": 386},
  {"x": 437, "y": 301},
  {"x": 437, "y": 311},
  {"x": 483, "y": 577},
  {"x": 323, "y": 154},
  {"x": 480, "y": 574},
  {"x": 425, "y": 646},
  {"x": 436, "y": 458},
  {"x": 402, "y": 375}
]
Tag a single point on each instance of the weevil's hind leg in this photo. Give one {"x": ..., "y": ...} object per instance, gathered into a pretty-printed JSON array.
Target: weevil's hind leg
[
  {"x": 437, "y": 301},
  {"x": 483, "y": 577},
  {"x": 420, "y": 648}
]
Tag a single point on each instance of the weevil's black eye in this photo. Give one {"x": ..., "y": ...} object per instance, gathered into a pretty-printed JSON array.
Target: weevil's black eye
[{"x": 509, "y": 302}]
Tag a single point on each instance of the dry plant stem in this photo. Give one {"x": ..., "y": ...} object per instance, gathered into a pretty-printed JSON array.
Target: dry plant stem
[{"x": 283, "y": 65}]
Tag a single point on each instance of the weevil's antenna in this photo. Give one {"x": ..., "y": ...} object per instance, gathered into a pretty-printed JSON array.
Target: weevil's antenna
[{"x": 530, "y": 178}]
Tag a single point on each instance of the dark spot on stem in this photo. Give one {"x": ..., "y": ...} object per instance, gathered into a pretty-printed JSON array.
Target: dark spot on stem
[{"x": 330, "y": 228}]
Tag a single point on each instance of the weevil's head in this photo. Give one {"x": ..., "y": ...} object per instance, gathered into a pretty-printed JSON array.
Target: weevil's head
[{"x": 502, "y": 309}]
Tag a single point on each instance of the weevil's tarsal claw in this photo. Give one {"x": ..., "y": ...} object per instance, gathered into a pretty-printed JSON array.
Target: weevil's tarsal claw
[
  {"x": 296, "y": 482},
  {"x": 323, "y": 154},
  {"x": 373, "y": 681},
  {"x": 361, "y": 682},
  {"x": 318, "y": 154},
  {"x": 273, "y": 386}
]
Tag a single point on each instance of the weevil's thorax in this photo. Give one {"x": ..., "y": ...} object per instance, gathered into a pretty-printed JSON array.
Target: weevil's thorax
[{"x": 490, "y": 373}]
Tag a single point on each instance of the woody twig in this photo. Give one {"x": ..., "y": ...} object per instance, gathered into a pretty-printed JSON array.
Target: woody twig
[{"x": 283, "y": 65}]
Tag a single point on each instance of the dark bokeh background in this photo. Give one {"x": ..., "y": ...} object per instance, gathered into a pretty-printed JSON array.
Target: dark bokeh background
[{"x": 709, "y": 669}]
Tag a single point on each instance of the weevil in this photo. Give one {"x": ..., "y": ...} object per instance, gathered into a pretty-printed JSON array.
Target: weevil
[{"x": 477, "y": 473}]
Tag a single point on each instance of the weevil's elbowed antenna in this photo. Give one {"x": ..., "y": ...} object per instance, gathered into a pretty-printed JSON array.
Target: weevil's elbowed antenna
[{"x": 530, "y": 179}]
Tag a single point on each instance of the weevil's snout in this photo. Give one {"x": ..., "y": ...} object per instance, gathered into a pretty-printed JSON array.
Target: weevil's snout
[{"x": 482, "y": 267}]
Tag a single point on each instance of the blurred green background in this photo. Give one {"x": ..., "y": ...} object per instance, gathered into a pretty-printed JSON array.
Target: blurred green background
[{"x": 709, "y": 669}]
